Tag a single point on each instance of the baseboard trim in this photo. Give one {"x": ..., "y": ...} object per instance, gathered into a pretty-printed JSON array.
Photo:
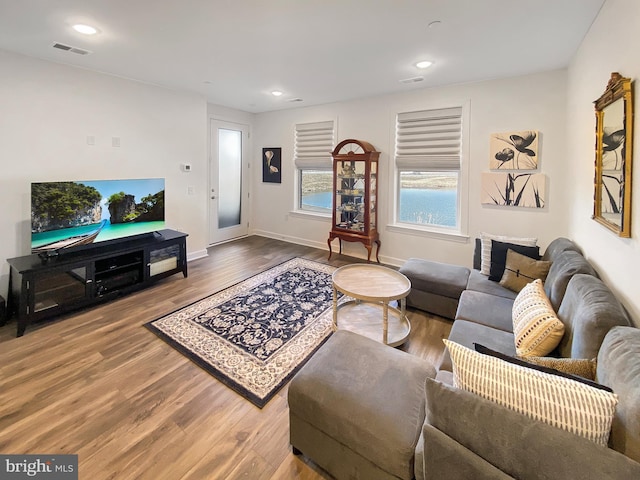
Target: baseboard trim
[
  {"x": 196, "y": 255},
  {"x": 396, "y": 262}
]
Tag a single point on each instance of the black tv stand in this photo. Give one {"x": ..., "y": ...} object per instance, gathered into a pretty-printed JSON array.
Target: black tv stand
[{"x": 43, "y": 287}]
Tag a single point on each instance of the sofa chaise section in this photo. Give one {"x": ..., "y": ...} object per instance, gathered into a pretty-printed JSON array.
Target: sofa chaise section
[
  {"x": 435, "y": 287},
  {"x": 363, "y": 410},
  {"x": 357, "y": 408}
]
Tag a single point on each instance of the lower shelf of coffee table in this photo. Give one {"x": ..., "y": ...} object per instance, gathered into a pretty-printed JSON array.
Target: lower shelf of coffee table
[{"x": 365, "y": 319}]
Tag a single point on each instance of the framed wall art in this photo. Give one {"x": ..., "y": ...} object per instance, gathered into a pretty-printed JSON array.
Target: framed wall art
[
  {"x": 513, "y": 189},
  {"x": 272, "y": 165},
  {"x": 514, "y": 150},
  {"x": 614, "y": 133}
]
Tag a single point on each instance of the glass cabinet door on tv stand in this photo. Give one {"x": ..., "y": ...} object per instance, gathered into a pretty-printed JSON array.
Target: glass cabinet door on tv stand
[{"x": 355, "y": 184}]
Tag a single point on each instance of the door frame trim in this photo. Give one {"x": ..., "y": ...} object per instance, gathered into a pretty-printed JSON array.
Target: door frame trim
[{"x": 247, "y": 169}]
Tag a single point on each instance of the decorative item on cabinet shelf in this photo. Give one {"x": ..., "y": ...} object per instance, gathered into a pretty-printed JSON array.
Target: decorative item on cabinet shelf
[
  {"x": 348, "y": 170},
  {"x": 350, "y": 192},
  {"x": 348, "y": 207},
  {"x": 356, "y": 176}
]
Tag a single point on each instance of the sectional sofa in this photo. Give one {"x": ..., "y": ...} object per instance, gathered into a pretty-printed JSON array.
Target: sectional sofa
[{"x": 365, "y": 410}]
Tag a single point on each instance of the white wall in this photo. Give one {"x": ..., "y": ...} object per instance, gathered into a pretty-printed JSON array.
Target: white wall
[
  {"x": 536, "y": 102},
  {"x": 47, "y": 112},
  {"x": 610, "y": 46}
]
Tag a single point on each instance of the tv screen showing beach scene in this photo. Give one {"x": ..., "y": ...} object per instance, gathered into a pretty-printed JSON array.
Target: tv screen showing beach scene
[{"x": 76, "y": 213}]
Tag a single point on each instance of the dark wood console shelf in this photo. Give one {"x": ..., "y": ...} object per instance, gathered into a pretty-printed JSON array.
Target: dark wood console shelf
[{"x": 43, "y": 288}]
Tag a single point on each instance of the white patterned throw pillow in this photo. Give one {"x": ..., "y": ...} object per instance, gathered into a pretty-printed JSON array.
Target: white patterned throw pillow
[
  {"x": 564, "y": 403},
  {"x": 536, "y": 328},
  {"x": 485, "y": 250}
]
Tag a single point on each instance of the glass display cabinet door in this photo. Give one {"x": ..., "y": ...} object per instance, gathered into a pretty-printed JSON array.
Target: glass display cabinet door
[
  {"x": 350, "y": 196},
  {"x": 373, "y": 195}
]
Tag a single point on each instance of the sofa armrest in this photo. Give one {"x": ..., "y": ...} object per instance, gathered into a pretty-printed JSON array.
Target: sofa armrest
[{"x": 518, "y": 445}]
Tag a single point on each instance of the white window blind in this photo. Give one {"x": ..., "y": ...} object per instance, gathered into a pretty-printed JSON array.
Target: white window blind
[
  {"x": 314, "y": 144},
  {"x": 429, "y": 139}
]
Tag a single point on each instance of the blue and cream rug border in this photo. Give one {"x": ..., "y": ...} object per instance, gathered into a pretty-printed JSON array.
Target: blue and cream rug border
[{"x": 255, "y": 335}]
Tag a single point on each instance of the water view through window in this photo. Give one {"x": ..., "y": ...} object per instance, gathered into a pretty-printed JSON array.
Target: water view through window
[
  {"x": 425, "y": 198},
  {"x": 429, "y": 198}
]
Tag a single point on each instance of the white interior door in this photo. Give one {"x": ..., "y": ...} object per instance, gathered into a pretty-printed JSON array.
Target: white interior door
[{"x": 228, "y": 183}]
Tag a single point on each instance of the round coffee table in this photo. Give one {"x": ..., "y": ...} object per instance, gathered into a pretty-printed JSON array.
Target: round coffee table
[{"x": 372, "y": 287}]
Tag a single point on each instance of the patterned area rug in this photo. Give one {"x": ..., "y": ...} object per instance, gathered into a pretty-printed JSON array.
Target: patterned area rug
[{"x": 255, "y": 335}]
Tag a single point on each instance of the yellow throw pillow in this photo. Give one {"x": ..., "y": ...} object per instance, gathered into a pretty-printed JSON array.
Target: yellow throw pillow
[
  {"x": 582, "y": 367},
  {"x": 520, "y": 270},
  {"x": 536, "y": 327}
]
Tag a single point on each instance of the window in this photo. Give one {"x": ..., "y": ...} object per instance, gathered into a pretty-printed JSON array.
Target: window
[
  {"x": 428, "y": 152},
  {"x": 313, "y": 147}
]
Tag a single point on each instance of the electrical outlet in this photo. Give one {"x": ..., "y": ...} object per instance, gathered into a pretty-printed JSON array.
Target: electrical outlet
[
  {"x": 91, "y": 140},
  {"x": 190, "y": 190},
  {"x": 115, "y": 141}
]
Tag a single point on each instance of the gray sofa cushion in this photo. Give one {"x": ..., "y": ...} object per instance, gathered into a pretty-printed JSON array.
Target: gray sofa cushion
[
  {"x": 445, "y": 376},
  {"x": 444, "y": 458},
  {"x": 562, "y": 269},
  {"x": 499, "y": 257},
  {"x": 588, "y": 311},
  {"x": 619, "y": 368},
  {"x": 486, "y": 309},
  {"x": 366, "y": 396},
  {"x": 481, "y": 283},
  {"x": 557, "y": 246},
  {"x": 467, "y": 333},
  {"x": 435, "y": 277},
  {"x": 477, "y": 254},
  {"x": 505, "y": 439}
]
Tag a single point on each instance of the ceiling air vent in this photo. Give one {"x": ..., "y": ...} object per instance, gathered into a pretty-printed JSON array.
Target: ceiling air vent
[
  {"x": 412, "y": 80},
  {"x": 69, "y": 48},
  {"x": 293, "y": 100}
]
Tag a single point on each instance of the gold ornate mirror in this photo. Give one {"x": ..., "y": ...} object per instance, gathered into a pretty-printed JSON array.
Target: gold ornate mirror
[{"x": 614, "y": 135}]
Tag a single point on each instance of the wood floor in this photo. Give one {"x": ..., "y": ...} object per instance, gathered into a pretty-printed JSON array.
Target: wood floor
[{"x": 98, "y": 384}]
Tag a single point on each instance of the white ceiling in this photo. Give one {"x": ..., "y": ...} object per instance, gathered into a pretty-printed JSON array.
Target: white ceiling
[{"x": 235, "y": 52}]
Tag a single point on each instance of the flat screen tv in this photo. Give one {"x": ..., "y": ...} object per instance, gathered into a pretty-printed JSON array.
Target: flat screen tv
[{"x": 74, "y": 214}]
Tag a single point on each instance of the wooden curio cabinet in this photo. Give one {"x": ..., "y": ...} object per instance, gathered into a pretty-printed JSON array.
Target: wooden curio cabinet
[{"x": 355, "y": 195}]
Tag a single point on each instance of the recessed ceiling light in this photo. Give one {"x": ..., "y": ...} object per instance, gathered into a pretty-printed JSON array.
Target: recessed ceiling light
[
  {"x": 276, "y": 93},
  {"x": 424, "y": 64},
  {"x": 85, "y": 29}
]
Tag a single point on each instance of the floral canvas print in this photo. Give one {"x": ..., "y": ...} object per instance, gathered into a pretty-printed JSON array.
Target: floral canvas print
[
  {"x": 514, "y": 150},
  {"x": 612, "y": 195},
  {"x": 514, "y": 189},
  {"x": 272, "y": 165}
]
